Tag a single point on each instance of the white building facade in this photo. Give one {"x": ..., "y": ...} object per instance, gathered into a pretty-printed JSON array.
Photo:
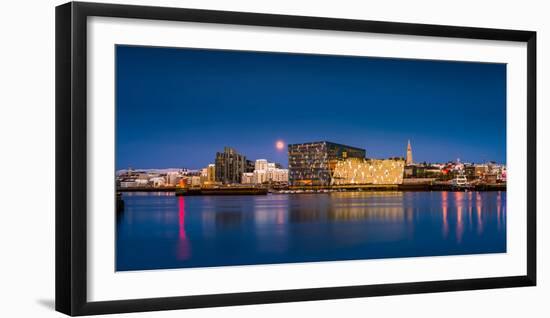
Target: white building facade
[{"x": 265, "y": 172}]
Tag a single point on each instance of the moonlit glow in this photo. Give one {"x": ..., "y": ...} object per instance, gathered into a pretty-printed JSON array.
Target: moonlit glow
[{"x": 280, "y": 145}]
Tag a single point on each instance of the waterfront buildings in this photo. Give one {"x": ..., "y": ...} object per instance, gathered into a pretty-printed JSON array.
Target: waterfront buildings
[
  {"x": 489, "y": 173},
  {"x": 249, "y": 166},
  {"x": 277, "y": 175},
  {"x": 172, "y": 178},
  {"x": 265, "y": 172},
  {"x": 260, "y": 176},
  {"x": 248, "y": 178},
  {"x": 368, "y": 171},
  {"x": 194, "y": 181},
  {"x": 317, "y": 164},
  {"x": 260, "y": 164},
  {"x": 470, "y": 171},
  {"x": 313, "y": 163},
  {"x": 229, "y": 166},
  {"x": 481, "y": 170}
]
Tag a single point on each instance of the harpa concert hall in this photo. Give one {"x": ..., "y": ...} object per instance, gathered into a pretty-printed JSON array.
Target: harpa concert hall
[{"x": 324, "y": 163}]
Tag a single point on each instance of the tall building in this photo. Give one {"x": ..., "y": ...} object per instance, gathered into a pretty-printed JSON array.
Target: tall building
[
  {"x": 313, "y": 163},
  {"x": 230, "y": 166},
  {"x": 204, "y": 176},
  {"x": 409, "y": 160},
  {"x": 211, "y": 173}
]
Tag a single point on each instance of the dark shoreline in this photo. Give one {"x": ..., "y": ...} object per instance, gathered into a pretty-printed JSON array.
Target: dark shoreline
[{"x": 298, "y": 190}]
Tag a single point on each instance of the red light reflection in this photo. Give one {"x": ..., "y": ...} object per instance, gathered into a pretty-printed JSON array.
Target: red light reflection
[{"x": 184, "y": 249}]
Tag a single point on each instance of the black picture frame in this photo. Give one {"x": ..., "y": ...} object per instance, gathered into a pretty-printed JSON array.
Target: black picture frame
[{"x": 71, "y": 157}]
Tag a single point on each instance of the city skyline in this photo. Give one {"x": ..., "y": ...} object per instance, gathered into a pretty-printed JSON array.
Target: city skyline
[
  {"x": 286, "y": 166},
  {"x": 178, "y": 107}
]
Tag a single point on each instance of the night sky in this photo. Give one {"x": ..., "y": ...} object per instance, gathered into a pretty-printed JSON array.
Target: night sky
[{"x": 175, "y": 108}]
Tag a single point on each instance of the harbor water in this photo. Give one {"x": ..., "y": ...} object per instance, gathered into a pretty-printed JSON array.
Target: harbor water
[{"x": 160, "y": 230}]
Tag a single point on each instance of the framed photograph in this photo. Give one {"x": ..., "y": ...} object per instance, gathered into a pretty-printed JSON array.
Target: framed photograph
[{"x": 208, "y": 158}]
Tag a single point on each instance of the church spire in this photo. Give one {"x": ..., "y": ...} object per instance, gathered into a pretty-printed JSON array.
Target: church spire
[{"x": 409, "y": 160}]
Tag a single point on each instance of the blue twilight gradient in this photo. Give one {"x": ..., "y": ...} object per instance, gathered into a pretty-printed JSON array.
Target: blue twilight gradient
[{"x": 177, "y": 107}]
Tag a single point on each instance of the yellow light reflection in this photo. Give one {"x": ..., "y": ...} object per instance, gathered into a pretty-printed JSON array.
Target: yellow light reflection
[
  {"x": 444, "y": 207},
  {"x": 459, "y": 201}
]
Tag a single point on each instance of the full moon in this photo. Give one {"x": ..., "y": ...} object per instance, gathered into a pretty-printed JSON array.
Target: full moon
[{"x": 280, "y": 145}]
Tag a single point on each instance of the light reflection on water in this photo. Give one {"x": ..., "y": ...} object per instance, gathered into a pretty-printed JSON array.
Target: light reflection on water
[{"x": 160, "y": 230}]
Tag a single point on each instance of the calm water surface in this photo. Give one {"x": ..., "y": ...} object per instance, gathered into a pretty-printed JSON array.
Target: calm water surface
[{"x": 160, "y": 230}]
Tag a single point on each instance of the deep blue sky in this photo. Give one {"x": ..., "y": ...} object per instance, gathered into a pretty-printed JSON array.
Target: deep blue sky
[{"x": 177, "y": 107}]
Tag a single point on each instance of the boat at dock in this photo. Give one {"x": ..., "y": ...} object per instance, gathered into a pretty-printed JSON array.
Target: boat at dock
[{"x": 460, "y": 182}]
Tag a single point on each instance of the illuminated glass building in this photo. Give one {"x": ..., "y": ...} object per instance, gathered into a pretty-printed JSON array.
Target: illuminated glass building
[
  {"x": 368, "y": 171},
  {"x": 313, "y": 163}
]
